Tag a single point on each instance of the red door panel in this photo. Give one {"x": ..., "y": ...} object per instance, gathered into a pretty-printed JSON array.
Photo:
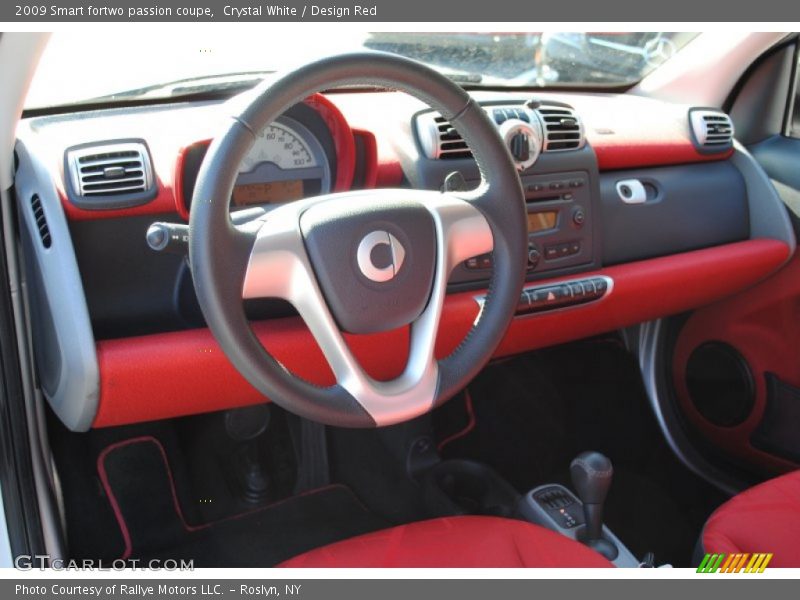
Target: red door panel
[{"x": 763, "y": 325}]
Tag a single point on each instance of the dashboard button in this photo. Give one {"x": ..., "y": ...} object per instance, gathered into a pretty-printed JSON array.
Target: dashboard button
[
  {"x": 533, "y": 256},
  {"x": 552, "y": 295},
  {"x": 600, "y": 285},
  {"x": 550, "y": 252},
  {"x": 472, "y": 263},
  {"x": 574, "y": 247},
  {"x": 539, "y": 296},
  {"x": 576, "y": 183},
  {"x": 557, "y": 185},
  {"x": 524, "y": 304},
  {"x": 579, "y": 217}
]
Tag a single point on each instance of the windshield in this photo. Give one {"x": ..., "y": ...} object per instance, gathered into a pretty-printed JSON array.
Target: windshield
[{"x": 124, "y": 64}]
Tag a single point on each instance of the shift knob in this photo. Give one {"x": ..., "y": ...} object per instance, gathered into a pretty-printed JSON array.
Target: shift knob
[{"x": 591, "y": 476}]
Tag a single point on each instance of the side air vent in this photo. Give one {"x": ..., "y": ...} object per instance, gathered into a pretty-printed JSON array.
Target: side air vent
[
  {"x": 110, "y": 174},
  {"x": 563, "y": 129},
  {"x": 439, "y": 138},
  {"x": 41, "y": 221},
  {"x": 712, "y": 130}
]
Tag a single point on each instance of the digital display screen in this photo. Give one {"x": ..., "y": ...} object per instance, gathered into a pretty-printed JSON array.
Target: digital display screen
[
  {"x": 540, "y": 221},
  {"x": 273, "y": 192}
]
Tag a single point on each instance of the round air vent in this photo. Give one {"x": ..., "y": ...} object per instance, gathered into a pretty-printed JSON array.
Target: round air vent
[{"x": 720, "y": 384}]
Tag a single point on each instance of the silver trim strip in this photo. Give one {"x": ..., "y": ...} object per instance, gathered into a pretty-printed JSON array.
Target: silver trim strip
[
  {"x": 650, "y": 337},
  {"x": 533, "y": 286}
]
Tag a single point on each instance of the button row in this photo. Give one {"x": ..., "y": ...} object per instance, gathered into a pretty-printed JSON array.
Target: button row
[
  {"x": 564, "y": 294},
  {"x": 484, "y": 261},
  {"x": 555, "y": 186},
  {"x": 561, "y": 250}
]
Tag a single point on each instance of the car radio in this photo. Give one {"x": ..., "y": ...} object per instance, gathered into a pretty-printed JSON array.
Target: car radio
[{"x": 559, "y": 234}]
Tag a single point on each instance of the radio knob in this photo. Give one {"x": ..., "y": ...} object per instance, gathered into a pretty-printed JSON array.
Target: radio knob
[
  {"x": 523, "y": 140},
  {"x": 533, "y": 256},
  {"x": 579, "y": 217},
  {"x": 520, "y": 147}
]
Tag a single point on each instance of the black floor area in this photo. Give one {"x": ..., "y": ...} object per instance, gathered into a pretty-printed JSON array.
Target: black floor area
[
  {"x": 164, "y": 490},
  {"x": 149, "y": 510},
  {"x": 535, "y": 413}
]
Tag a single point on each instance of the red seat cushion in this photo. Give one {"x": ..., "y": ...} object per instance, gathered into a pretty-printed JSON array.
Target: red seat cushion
[
  {"x": 765, "y": 518},
  {"x": 455, "y": 542}
]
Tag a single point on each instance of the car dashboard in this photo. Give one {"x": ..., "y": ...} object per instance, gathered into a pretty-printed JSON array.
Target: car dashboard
[{"x": 636, "y": 209}]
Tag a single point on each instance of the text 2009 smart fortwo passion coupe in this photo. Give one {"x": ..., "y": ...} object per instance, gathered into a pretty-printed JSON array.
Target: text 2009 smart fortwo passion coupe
[{"x": 439, "y": 300}]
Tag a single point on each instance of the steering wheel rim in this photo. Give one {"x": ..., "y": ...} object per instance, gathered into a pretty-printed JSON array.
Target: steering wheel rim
[{"x": 270, "y": 256}]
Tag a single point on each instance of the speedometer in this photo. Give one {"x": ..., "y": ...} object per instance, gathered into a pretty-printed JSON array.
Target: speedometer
[
  {"x": 282, "y": 147},
  {"x": 286, "y": 162}
]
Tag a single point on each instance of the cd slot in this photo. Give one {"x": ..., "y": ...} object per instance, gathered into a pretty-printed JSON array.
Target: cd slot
[{"x": 545, "y": 198}]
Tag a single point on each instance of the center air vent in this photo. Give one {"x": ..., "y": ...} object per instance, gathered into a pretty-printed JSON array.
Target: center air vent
[
  {"x": 563, "y": 129},
  {"x": 110, "y": 174},
  {"x": 712, "y": 130}
]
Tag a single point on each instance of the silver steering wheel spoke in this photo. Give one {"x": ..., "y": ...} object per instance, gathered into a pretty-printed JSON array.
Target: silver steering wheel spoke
[{"x": 279, "y": 267}]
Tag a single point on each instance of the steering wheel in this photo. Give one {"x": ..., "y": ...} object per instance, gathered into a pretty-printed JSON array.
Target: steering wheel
[{"x": 362, "y": 261}]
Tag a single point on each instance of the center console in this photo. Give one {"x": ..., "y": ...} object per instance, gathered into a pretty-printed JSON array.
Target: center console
[
  {"x": 559, "y": 210},
  {"x": 555, "y": 507},
  {"x": 579, "y": 517},
  {"x": 560, "y": 179},
  {"x": 466, "y": 487}
]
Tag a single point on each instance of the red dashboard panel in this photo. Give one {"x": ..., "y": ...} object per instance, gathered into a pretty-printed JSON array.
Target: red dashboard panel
[
  {"x": 628, "y": 131},
  {"x": 342, "y": 140},
  {"x": 169, "y": 144},
  {"x": 622, "y": 153},
  {"x": 625, "y": 132},
  {"x": 172, "y": 374}
]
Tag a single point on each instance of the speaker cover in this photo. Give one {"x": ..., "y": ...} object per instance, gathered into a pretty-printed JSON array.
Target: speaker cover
[{"x": 720, "y": 384}]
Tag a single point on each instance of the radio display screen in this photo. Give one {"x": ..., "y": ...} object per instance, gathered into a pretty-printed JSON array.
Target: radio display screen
[{"x": 541, "y": 221}]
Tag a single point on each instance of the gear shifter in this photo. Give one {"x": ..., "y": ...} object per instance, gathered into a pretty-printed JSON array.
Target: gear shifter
[{"x": 591, "y": 477}]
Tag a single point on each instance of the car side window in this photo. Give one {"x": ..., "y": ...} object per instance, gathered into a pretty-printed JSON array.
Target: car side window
[{"x": 793, "y": 120}]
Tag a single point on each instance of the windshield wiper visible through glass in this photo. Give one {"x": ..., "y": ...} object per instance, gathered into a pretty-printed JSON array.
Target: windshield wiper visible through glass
[
  {"x": 463, "y": 77},
  {"x": 228, "y": 82}
]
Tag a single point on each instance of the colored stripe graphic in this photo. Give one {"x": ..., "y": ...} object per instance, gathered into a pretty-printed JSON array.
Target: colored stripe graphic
[
  {"x": 701, "y": 568},
  {"x": 742, "y": 561},
  {"x": 726, "y": 566},
  {"x": 735, "y": 563}
]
